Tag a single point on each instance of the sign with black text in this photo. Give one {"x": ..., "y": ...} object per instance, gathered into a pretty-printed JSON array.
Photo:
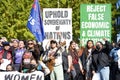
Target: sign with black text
[
  {"x": 14, "y": 75},
  {"x": 57, "y": 24}
]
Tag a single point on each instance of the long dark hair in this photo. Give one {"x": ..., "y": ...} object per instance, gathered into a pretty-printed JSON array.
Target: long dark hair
[
  {"x": 73, "y": 52},
  {"x": 35, "y": 50},
  {"x": 87, "y": 47}
]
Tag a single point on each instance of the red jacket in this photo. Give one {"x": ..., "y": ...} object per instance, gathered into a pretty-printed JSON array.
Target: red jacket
[{"x": 9, "y": 55}]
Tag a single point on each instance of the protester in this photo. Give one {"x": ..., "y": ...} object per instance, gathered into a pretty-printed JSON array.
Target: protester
[
  {"x": 1, "y": 46},
  {"x": 101, "y": 60},
  {"x": 18, "y": 53},
  {"x": 65, "y": 63},
  {"x": 62, "y": 63},
  {"x": 34, "y": 49},
  {"x": 5, "y": 56},
  {"x": 87, "y": 59},
  {"x": 55, "y": 65},
  {"x": 14, "y": 45},
  {"x": 25, "y": 65},
  {"x": 9, "y": 67},
  {"x": 75, "y": 66},
  {"x": 33, "y": 65},
  {"x": 114, "y": 64}
]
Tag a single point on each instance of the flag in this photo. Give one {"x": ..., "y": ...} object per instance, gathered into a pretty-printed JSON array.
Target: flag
[
  {"x": 118, "y": 4},
  {"x": 34, "y": 23}
]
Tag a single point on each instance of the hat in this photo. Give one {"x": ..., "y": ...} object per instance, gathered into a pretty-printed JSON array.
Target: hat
[{"x": 6, "y": 44}]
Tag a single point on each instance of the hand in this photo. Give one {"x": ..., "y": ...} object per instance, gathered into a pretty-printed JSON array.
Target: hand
[
  {"x": 51, "y": 57},
  {"x": 1, "y": 61},
  {"x": 68, "y": 70},
  {"x": 93, "y": 72},
  {"x": 83, "y": 72},
  {"x": 104, "y": 39}
]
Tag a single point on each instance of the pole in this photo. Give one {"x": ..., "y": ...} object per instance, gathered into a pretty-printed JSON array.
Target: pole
[{"x": 58, "y": 3}]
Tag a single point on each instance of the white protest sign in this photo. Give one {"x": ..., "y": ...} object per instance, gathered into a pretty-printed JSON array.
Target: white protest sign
[
  {"x": 4, "y": 64},
  {"x": 14, "y": 75},
  {"x": 57, "y": 24}
]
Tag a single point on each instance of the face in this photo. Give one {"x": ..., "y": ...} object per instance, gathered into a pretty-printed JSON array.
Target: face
[
  {"x": 27, "y": 58},
  {"x": 30, "y": 44},
  {"x": 15, "y": 44},
  {"x": 99, "y": 46},
  {"x": 73, "y": 45},
  {"x": 21, "y": 44},
  {"x": 53, "y": 45},
  {"x": 9, "y": 68},
  {"x": 33, "y": 64},
  {"x": 6, "y": 47},
  {"x": 90, "y": 44}
]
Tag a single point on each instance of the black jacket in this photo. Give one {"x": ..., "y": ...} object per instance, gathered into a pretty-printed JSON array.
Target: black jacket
[{"x": 101, "y": 58}]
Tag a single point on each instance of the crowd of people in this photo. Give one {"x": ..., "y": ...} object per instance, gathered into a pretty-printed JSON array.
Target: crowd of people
[{"x": 92, "y": 62}]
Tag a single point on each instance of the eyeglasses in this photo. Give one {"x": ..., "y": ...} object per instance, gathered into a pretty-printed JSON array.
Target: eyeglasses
[{"x": 30, "y": 43}]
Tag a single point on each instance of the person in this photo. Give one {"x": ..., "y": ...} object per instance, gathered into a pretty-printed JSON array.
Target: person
[
  {"x": 55, "y": 66},
  {"x": 75, "y": 66},
  {"x": 65, "y": 63},
  {"x": 34, "y": 49},
  {"x": 18, "y": 53},
  {"x": 9, "y": 67},
  {"x": 1, "y": 46},
  {"x": 87, "y": 59},
  {"x": 14, "y": 46},
  {"x": 33, "y": 65},
  {"x": 25, "y": 64},
  {"x": 114, "y": 71},
  {"x": 5, "y": 56},
  {"x": 100, "y": 60}
]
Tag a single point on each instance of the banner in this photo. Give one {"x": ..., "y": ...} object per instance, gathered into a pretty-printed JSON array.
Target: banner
[
  {"x": 95, "y": 22},
  {"x": 57, "y": 24},
  {"x": 14, "y": 75},
  {"x": 35, "y": 24}
]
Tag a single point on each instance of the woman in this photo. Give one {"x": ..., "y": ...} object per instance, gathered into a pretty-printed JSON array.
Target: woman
[
  {"x": 34, "y": 49},
  {"x": 9, "y": 67},
  {"x": 101, "y": 60},
  {"x": 33, "y": 65},
  {"x": 5, "y": 56},
  {"x": 18, "y": 55},
  {"x": 25, "y": 64},
  {"x": 87, "y": 59},
  {"x": 75, "y": 66}
]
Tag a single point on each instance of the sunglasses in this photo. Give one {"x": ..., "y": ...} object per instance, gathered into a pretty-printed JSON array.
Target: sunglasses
[{"x": 30, "y": 43}]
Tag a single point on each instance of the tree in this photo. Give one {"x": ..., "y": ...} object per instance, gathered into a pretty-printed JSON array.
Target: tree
[{"x": 14, "y": 15}]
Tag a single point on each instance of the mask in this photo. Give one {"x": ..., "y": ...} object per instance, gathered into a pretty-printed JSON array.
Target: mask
[
  {"x": 97, "y": 47},
  {"x": 32, "y": 66},
  {"x": 26, "y": 61}
]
